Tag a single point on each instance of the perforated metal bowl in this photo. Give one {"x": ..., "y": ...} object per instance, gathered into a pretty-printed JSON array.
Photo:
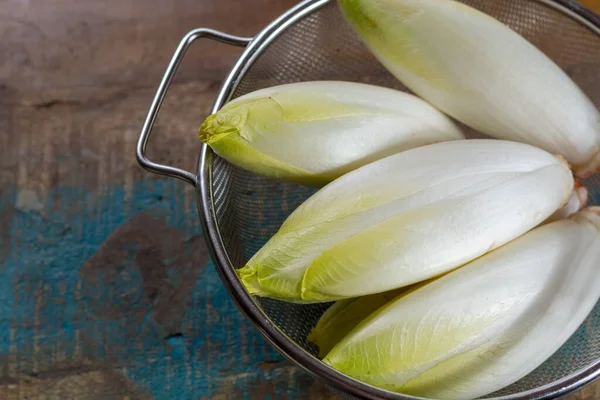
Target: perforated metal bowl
[{"x": 241, "y": 211}]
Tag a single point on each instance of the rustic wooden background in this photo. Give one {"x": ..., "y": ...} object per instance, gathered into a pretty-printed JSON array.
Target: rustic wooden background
[{"x": 106, "y": 288}]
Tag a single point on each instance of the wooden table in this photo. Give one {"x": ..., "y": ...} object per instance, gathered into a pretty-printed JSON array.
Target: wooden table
[{"x": 106, "y": 287}]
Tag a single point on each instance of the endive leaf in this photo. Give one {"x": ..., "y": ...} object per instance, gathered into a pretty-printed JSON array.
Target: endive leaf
[
  {"x": 314, "y": 132},
  {"x": 479, "y": 71},
  {"x": 485, "y": 325},
  {"x": 408, "y": 218},
  {"x": 344, "y": 315}
]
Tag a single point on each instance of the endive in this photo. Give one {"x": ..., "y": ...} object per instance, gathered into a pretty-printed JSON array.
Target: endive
[
  {"x": 479, "y": 71},
  {"x": 408, "y": 218},
  {"x": 314, "y": 132},
  {"x": 485, "y": 325}
]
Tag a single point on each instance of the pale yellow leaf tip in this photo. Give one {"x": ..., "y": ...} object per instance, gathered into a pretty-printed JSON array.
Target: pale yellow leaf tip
[
  {"x": 249, "y": 278},
  {"x": 215, "y": 128}
]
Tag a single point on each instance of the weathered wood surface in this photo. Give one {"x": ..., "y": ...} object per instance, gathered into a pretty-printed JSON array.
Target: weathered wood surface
[{"x": 106, "y": 288}]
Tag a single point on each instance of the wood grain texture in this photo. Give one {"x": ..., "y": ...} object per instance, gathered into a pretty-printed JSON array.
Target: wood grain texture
[
  {"x": 593, "y": 5},
  {"x": 106, "y": 287}
]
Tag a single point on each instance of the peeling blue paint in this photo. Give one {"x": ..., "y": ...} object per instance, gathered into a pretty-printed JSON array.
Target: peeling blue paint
[{"x": 54, "y": 315}]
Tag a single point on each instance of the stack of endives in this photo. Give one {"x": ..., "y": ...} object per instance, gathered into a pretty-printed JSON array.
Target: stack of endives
[{"x": 459, "y": 266}]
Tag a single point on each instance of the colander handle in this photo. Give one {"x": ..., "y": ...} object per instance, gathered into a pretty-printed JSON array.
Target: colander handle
[{"x": 162, "y": 91}]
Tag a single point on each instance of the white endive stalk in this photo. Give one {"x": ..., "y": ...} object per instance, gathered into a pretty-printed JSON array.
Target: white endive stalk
[
  {"x": 408, "y": 218},
  {"x": 314, "y": 132},
  {"x": 479, "y": 71},
  {"x": 486, "y": 325}
]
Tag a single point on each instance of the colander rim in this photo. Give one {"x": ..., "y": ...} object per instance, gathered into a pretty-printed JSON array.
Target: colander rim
[{"x": 246, "y": 303}]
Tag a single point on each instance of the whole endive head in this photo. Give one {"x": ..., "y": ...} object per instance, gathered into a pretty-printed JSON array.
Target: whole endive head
[
  {"x": 408, "y": 218},
  {"x": 482, "y": 73},
  {"x": 314, "y": 132}
]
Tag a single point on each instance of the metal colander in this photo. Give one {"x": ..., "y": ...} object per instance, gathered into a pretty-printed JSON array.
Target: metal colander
[{"x": 241, "y": 211}]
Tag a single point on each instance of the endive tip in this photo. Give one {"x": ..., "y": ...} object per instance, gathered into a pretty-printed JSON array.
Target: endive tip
[
  {"x": 576, "y": 203},
  {"x": 314, "y": 337},
  {"x": 592, "y": 167},
  {"x": 582, "y": 193},
  {"x": 249, "y": 279},
  {"x": 572, "y": 182},
  {"x": 219, "y": 125}
]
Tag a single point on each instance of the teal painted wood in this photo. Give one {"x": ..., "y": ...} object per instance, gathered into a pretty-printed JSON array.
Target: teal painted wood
[{"x": 123, "y": 281}]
